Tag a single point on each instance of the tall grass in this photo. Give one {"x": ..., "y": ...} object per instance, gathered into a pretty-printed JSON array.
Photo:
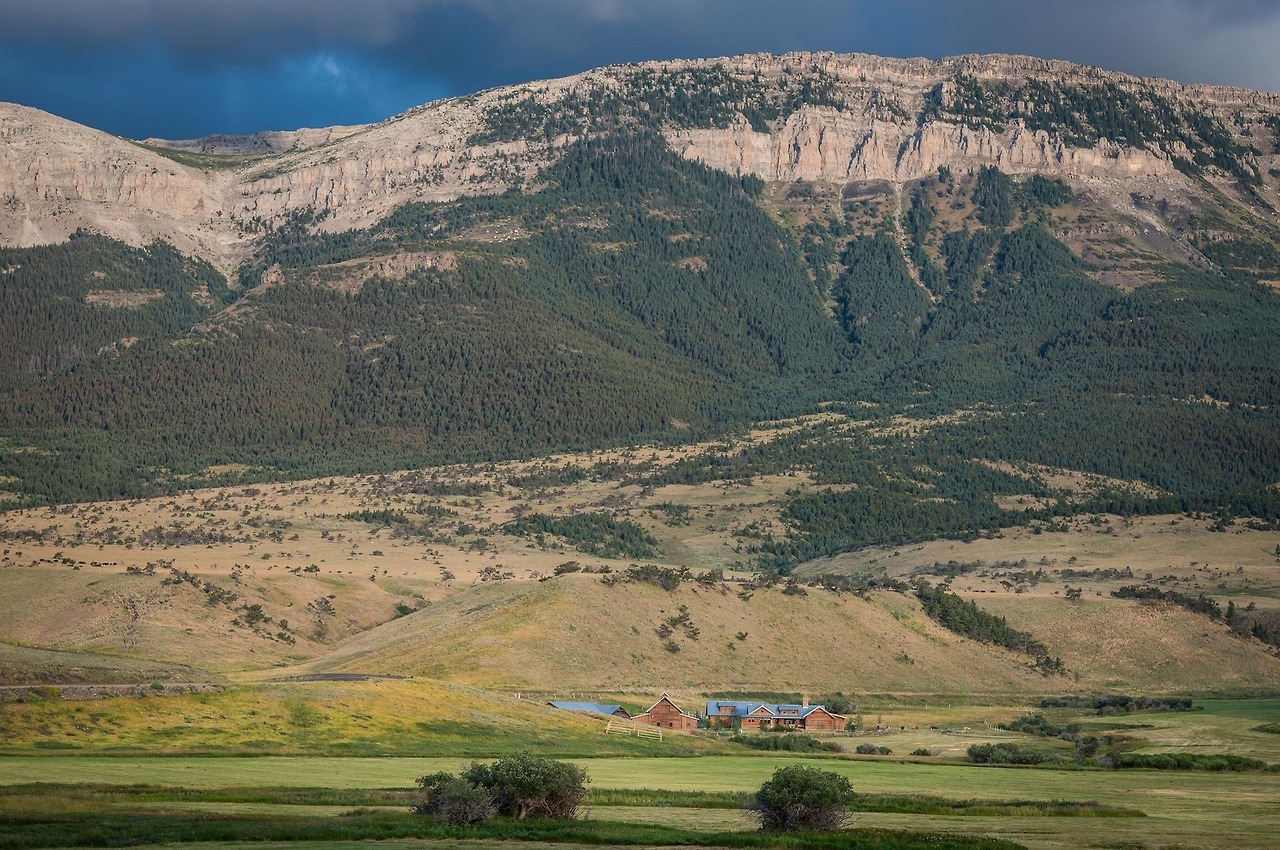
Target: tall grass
[
  {"x": 91, "y": 796},
  {"x": 416, "y": 719},
  {"x": 108, "y": 828}
]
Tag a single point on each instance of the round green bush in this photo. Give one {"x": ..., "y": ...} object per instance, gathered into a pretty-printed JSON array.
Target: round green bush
[
  {"x": 528, "y": 786},
  {"x": 802, "y": 798}
]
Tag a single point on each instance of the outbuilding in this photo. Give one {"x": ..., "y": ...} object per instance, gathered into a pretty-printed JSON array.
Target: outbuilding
[
  {"x": 591, "y": 708},
  {"x": 665, "y": 714}
]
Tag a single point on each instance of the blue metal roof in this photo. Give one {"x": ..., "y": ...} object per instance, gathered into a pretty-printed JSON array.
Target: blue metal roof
[
  {"x": 736, "y": 708},
  {"x": 598, "y": 708}
]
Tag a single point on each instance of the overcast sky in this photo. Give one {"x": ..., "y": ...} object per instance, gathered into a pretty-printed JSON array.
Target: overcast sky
[{"x": 184, "y": 68}]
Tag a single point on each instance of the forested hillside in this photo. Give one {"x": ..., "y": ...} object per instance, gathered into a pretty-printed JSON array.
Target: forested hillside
[{"x": 637, "y": 296}]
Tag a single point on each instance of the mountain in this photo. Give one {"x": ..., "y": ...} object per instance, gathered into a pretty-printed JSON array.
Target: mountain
[
  {"x": 833, "y": 117},
  {"x": 1065, "y": 266}
]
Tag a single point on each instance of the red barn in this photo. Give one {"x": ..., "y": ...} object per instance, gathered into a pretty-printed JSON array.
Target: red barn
[{"x": 665, "y": 714}]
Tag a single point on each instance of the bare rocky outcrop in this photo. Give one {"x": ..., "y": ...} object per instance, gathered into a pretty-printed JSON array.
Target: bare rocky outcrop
[
  {"x": 825, "y": 144},
  {"x": 56, "y": 176}
]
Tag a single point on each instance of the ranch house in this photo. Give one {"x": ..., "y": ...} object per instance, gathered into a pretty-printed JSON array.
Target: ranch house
[{"x": 761, "y": 715}]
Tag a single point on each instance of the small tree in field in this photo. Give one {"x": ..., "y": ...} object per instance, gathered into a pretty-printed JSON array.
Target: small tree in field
[
  {"x": 528, "y": 786},
  {"x": 521, "y": 786},
  {"x": 802, "y": 798}
]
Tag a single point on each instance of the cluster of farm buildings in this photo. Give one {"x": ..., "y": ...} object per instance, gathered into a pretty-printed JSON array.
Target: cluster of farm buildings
[{"x": 665, "y": 714}]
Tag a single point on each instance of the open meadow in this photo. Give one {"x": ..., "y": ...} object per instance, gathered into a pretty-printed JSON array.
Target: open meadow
[
  {"x": 1144, "y": 809},
  {"x": 689, "y": 787}
]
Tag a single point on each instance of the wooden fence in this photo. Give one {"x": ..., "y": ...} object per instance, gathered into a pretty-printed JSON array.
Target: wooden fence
[{"x": 618, "y": 726}]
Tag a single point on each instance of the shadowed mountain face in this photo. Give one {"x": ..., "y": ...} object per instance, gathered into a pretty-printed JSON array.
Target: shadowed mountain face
[{"x": 1060, "y": 265}]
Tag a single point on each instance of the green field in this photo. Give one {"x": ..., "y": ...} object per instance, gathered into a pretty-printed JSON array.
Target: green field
[
  {"x": 1181, "y": 808},
  {"x": 309, "y": 794}
]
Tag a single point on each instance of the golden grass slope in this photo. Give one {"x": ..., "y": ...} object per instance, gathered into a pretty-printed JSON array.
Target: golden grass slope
[
  {"x": 126, "y": 578},
  {"x": 146, "y": 584},
  {"x": 575, "y": 633},
  {"x": 142, "y": 618},
  {"x": 1120, "y": 644}
]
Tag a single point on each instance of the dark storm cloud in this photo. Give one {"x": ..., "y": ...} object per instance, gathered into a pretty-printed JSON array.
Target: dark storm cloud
[
  {"x": 187, "y": 67},
  {"x": 1229, "y": 42}
]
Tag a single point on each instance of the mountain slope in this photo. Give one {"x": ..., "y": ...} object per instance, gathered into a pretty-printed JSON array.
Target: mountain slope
[
  {"x": 546, "y": 266},
  {"x": 637, "y": 295}
]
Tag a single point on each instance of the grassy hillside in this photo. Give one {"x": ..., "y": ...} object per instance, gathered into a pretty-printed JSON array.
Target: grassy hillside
[
  {"x": 143, "y": 619},
  {"x": 1117, "y": 644},
  {"x": 566, "y": 634},
  {"x": 417, "y": 718},
  {"x": 438, "y": 572}
]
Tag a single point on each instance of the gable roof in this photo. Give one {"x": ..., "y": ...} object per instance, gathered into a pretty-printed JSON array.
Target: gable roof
[
  {"x": 739, "y": 708},
  {"x": 670, "y": 702},
  {"x": 570, "y": 705},
  {"x": 824, "y": 710}
]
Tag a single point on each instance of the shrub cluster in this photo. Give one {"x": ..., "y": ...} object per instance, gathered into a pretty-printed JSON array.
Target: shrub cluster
[
  {"x": 521, "y": 786},
  {"x": 1108, "y": 704},
  {"x": 1007, "y": 754},
  {"x": 802, "y": 798},
  {"x": 1037, "y": 724},
  {"x": 453, "y": 800},
  {"x": 786, "y": 743},
  {"x": 1187, "y": 761},
  {"x": 1086, "y": 745}
]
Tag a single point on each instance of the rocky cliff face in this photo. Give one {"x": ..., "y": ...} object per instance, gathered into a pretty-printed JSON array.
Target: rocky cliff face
[
  {"x": 825, "y": 144},
  {"x": 57, "y": 177},
  {"x": 891, "y": 129},
  {"x": 823, "y": 117}
]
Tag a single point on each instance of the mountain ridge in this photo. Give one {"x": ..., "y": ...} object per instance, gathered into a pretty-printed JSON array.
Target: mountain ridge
[{"x": 870, "y": 122}]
